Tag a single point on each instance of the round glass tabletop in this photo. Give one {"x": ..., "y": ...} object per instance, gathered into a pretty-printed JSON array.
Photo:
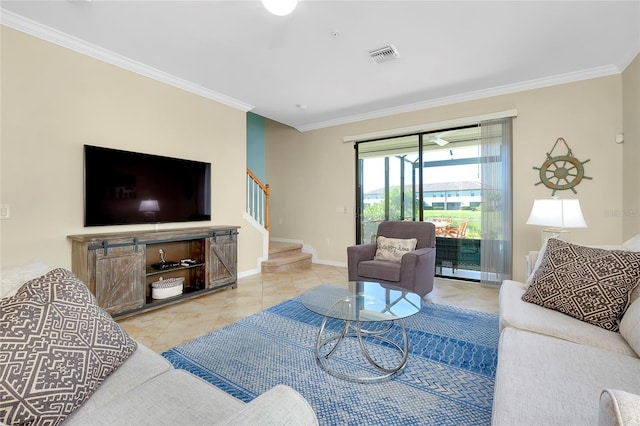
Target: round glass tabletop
[{"x": 362, "y": 301}]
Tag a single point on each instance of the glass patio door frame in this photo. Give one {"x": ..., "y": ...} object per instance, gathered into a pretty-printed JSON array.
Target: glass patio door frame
[
  {"x": 495, "y": 154},
  {"x": 416, "y": 181}
]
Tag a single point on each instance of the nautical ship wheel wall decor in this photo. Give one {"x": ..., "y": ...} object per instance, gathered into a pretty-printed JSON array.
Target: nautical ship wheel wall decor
[{"x": 561, "y": 172}]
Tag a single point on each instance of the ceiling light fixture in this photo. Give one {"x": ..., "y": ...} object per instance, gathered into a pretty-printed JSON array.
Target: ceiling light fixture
[{"x": 280, "y": 7}]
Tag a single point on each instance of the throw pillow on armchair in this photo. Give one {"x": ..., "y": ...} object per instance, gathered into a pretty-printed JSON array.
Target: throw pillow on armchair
[{"x": 392, "y": 249}]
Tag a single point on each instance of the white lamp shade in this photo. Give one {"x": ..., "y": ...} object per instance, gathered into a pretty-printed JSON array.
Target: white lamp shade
[
  {"x": 149, "y": 206},
  {"x": 280, "y": 7},
  {"x": 557, "y": 213}
]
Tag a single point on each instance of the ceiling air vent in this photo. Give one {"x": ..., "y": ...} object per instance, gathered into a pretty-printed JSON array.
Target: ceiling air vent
[{"x": 383, "y": 54}]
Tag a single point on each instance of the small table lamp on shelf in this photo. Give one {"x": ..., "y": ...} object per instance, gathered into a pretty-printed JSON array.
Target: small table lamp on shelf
[{"x": 557, "y": 215}]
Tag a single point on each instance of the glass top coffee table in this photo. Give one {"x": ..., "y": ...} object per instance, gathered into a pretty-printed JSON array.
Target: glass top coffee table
[{"x": 366, "y": 311}]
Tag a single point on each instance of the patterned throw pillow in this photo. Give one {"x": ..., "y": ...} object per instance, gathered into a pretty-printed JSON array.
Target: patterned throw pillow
[
  {"x": 590, "y": 284},
  {"x": 392, "y": 249},
  {"x": 56, "y": 347}
]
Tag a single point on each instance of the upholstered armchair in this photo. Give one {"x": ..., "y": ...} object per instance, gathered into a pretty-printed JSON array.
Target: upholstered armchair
[{"x": 414, "y": 271}]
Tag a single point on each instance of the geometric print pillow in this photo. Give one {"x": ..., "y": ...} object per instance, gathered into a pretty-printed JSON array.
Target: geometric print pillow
[
  {"x": 56, "y": 347},
  {"x": 590, "y": 284}
]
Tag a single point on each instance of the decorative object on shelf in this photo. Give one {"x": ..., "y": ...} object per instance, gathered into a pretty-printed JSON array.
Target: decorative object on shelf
[
  {"x": 170, "y": 287},
  {"x": 561, "y": 168},
  {"x": 557, "y": 215},
  {"x": 164, "y": 263},
  {"x": 280, "y": 7}
]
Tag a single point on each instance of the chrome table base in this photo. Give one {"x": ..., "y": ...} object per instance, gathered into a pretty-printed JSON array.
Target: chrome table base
[{"x": 323, "y": 349}]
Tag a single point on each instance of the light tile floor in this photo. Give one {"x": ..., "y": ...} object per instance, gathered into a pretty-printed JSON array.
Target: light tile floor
[{"x": 164, "y": 328}]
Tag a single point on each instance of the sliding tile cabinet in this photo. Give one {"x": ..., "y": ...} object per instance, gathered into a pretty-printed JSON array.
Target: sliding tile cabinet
[{"x": 120, "y": 268}]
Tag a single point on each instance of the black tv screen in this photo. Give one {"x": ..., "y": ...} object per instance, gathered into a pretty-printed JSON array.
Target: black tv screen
[{"x": 122, "y": 187}]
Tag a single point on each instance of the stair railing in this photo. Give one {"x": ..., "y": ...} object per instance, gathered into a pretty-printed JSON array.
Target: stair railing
[{"x": 258, "y": 199}]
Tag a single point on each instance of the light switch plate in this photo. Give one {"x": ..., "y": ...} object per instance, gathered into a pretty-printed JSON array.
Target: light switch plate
[{"x": 4, "y": 211}]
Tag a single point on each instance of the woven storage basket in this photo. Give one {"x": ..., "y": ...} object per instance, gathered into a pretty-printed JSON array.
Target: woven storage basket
[{"x": 167, "y": 288}]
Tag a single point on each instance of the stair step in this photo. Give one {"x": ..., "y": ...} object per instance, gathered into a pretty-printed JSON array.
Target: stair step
[
  {"x": 279, "y": 249},
  {"x": 287, "y": 263},
  {"x": 285, "y": 256}
]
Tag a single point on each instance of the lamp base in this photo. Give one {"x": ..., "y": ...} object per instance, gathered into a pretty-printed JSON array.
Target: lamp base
[{"x": 557, "y": 233}]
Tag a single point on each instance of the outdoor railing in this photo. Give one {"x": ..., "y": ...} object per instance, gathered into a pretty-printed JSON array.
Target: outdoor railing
[{"x": 258, "y": 199}]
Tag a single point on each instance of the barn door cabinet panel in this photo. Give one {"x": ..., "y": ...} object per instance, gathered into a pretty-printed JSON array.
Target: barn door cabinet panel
[
  {"x": 120, "y": 268},
  {"x": 121, "y": 276},
  {"x": 223, "y": 254}
]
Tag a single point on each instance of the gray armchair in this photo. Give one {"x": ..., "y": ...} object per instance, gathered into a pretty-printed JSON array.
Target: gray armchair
[{"x": 415, "y": 272}]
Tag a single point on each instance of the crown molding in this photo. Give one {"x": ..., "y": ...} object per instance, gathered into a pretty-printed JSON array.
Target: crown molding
[
  {"x": 49, "y": 34},
  {"x": 470, "y": 96}
]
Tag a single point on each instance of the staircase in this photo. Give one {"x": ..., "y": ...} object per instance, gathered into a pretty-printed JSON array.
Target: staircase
[
  {"x": 285, "y": 257},
  {"x": 282, "y": 256}
]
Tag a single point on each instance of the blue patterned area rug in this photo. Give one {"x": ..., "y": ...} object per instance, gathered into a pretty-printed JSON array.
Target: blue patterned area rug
[{"x": 448, "y": 379}]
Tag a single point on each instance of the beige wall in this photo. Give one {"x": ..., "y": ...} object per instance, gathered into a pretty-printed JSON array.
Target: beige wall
[
  {"x": 55, "y": 100},
  {"x": 631, "y": 147},
  {"x": 312, "y": 173}
]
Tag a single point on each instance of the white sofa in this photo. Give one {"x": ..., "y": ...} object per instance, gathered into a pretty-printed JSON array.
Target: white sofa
[
  {"x": 144, "y": 389},
  {"x": 554, "y": 369}
]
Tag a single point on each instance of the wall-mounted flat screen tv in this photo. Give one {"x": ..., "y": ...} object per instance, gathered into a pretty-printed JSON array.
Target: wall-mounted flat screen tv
[{"x": 123, "y": 187}]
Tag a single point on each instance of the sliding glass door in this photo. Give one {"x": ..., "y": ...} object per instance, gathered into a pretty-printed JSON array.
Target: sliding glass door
[
  {"x": 459, "y": 179},
  {"x": 453, "y": 194},
  {"x": 387, "y": 179}
]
